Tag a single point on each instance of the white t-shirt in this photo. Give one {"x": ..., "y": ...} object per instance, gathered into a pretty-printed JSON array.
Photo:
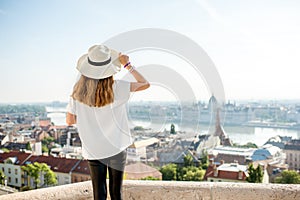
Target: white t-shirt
[{"x": 103, "y": 131}]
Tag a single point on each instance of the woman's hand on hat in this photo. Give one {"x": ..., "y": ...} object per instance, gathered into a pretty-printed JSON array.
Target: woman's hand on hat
[{"x": 124, "y": 59}]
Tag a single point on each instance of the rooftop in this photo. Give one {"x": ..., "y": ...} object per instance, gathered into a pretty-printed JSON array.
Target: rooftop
[
  {"x": 19, "y": 157},
  {"x": 233, "y": 167},
  {"x": 233, "y": 151},
  {"x": 292, "y": 145},
  {"x": 63, "y": 165},
  {"x": 82, "y": 168},
  {"x": 144, "y": 143}
]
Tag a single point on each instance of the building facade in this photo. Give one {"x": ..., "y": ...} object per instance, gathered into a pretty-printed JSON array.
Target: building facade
[
  {"x": 226, "y": 172},
  {"x": 292, "y": 151},
  {"x": 66, "y": 170},
  {"x": 10, "y": 164},
  {"x": 81, "y": 172}
]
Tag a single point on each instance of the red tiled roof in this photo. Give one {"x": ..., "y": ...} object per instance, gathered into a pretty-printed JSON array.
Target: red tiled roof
[
  {"x": 32, "y": 159},
  {"x": 210, "y": 170},
  {"x": 82, "y": 168},
  {"x": 62, "y": 165},
  {"x": 140, "y": 170},
  {"x": 21, "y": 156},
  {"x": 44, "y": 123}
]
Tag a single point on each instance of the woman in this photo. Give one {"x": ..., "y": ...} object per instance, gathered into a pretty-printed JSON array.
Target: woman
[{"x": 98, "y": 107}]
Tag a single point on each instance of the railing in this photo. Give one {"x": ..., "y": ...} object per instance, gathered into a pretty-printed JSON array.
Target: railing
[{"x": 149, "y": 190}]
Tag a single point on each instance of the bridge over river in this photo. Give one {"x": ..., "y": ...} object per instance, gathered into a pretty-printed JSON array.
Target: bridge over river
[{"x": 56, "y": 110}]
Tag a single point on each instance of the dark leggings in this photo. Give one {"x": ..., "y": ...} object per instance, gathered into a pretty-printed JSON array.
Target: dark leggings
[{"x": 98, "y": 170}]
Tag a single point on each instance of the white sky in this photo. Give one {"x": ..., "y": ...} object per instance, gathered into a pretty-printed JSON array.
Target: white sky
[{"x": 255, "y": 45}]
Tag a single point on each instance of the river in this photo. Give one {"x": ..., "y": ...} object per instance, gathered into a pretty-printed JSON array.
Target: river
[{"x": 237, "y": 134}]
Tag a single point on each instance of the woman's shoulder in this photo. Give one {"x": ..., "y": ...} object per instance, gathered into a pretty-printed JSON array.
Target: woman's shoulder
[
  {"x": 122, "y": 90},
  {"x": 118, "y": 81},
  {"x": 121, "y": 84}
]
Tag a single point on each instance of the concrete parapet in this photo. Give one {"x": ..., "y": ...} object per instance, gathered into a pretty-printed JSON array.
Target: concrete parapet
[{"x": 146, "y": 190}]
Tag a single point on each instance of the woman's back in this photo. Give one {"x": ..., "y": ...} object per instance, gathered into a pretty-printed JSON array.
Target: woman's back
[{"x": 103, "y": 130}]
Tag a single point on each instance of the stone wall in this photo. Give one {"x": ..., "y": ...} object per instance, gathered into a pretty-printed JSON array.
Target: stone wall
[{"x": 164, "y": 190}]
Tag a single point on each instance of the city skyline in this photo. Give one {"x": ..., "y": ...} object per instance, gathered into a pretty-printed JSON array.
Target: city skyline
[{"x": 253, "y": 45}]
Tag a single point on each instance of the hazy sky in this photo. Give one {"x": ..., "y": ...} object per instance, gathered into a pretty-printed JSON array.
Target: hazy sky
[{"x": 254, "y": 44}]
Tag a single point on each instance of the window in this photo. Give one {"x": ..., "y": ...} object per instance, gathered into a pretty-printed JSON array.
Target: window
[
  {"x": 9, "y": 179},
  {"x": 3, "y": 169},
  {"x": 9, "y": 170},
  {"x": 16, "y": 171},
  {"x": 16, "y": 180},
  {"x": 66, "y": 180}
]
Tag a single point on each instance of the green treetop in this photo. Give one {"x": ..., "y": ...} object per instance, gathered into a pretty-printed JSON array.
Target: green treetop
[
  {"x": 255, "y": 174},
  {"x": 35, "y": 171},
  {"x": 288, "y": 177}
]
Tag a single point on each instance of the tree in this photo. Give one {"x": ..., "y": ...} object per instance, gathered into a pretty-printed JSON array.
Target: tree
[
  {"x": 5, "y": 150},
  {"x": 172, "y": 130},
  {"x": 28, "y": 147},
  {"x": 48, "y": 141},
  {"x": 138, "y": 128},
  {"x": 25, "y": 188},
  {"x": 204, "y": 160},
  {"x": 8, "y": 109},
  {"x": 169, "y": 172},
  {"x": 192, "y": 174},
  {"x": 252, "y": 174},
  {"x": 188, "y": 160},
  {"x": 150, "y": 178},
  {"x": 49, "y": 177},
  {"x": 248, "y": 145},
  {"x": 187, "y": 173},
  {"x": 2, "y": 177},
  {"x": 47, "y": 144},
  {"x": 288, "y": 177},
  {"x": 35, "y": 171},
  {"x": 45, "y": 149},
  {"x": 255, "y": 174},
  {"x": 259, "y": 174}
]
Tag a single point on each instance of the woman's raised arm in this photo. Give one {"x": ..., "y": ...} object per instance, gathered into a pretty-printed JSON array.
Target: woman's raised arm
[{"x": 141, "y": 83}]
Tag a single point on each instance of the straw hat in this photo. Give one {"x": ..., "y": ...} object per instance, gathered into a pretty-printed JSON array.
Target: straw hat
[{"x": 100, "y": 62}]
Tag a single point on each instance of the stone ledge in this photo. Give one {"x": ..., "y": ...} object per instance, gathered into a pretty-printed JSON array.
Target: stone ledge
[{"x": 148, "y": 190}]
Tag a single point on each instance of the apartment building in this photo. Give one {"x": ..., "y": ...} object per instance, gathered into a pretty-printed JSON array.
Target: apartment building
[
  {"x": 66, "y": 170},
  {"x": 10, "y": 164},
  {"x": 292, "y": 151}
]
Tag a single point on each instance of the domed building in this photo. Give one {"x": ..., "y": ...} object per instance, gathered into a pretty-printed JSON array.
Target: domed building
[{"x": 267, "y": 152}]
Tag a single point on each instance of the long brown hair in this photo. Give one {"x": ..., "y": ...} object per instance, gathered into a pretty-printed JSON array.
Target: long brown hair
[{"x": 94, "y": 92}]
